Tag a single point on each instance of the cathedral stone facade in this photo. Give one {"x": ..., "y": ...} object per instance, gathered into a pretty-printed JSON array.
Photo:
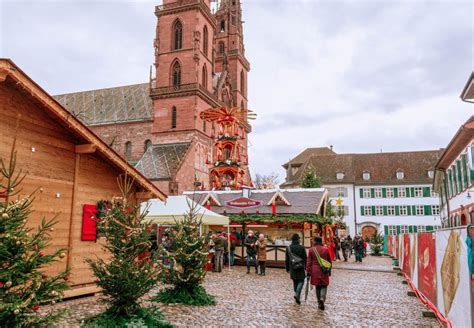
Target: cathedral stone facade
[{"x": 199, "y": 63}]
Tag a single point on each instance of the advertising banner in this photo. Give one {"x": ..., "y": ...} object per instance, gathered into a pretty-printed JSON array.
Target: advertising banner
[
  {"x": 390, "y": 245},
  {"x": 406, "y": 250},
  {"x": 453, "y": 277},
  {"x": 427, "y": 266},
  {"x": 414, "y": 259}
]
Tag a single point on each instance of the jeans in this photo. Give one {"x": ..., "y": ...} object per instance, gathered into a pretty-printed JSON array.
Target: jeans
[
  {"x": 254, "y": 257},
  {"x": 344, "y": 254},
  {"x": 218, "y": 260},
  {"x": 262, "y": 267},
  {"x": 232, "y": 258},
  {"x": 298, "y": 287},
  {"x": 321, "y": 293},
  {"x": 338, "y": 257}
]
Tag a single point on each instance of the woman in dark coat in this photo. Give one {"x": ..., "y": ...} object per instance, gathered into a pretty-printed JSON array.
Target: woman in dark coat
[
  {"x": 297, "y": 275},
  {"x": 319, "y": 278}
]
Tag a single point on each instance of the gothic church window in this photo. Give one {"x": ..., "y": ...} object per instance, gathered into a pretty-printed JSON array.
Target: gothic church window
[
  {"x": 177, "y": 35},
  {"x": 128, "y": 150},
  {"x": 242, "y": 82},
  {"x": 204, "y": 76},
  {"x": 205, "y": 42},
  {"x": 222, "y": 25},
  {"x": 147, "y": 144},
  {"x": 176, "y": 71},
  {"x": 173, "y": 117}
]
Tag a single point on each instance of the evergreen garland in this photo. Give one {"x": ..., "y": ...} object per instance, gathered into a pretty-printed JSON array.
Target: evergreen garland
[{"x": 23, "y": 287}]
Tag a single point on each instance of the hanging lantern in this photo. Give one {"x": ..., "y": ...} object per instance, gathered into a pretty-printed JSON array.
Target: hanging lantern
[{"x": 208, "y": 204}]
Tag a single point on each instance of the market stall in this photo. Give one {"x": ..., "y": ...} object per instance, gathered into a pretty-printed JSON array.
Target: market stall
[{"x": 278, "y": 214}]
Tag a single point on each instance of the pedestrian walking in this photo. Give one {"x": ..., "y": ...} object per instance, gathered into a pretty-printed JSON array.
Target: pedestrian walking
[
  {"x": 344, "y": 248},
  {"x": 358, "y": 248},
  {"x": 349, "y": 246},
  {"x": 337, "y": 247},
  {"x": 261, "y": 253},
  {"x": 218, "y": 253},
  {"x": 233, "y": 242},
  {"x": 318, "y": 271},
  {"x": 295, "y": 263},
  {"x": 250, "y": 244}
]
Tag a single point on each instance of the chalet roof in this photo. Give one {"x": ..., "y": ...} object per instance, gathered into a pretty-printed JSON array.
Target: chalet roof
[
  {"x": 302, "y": 157},
  {"x": 130, "y": 103},
  {"x": 302, "y": 201},
  {"x": 381, "y": 166},
  {"x": 9, "y": 70},
  {"x": 162, "y": 161}
]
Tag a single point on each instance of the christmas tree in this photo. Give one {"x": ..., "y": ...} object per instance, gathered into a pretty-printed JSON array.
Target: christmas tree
[
  {"x": 310, "y": 180},
  {"x": 23, "y": 256},
  {"x": 185, "y": 255},
  {"x": 130, "y": 272}
]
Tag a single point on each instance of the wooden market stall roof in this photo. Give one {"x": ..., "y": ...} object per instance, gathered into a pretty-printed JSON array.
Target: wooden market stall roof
[{"x": 90, "y": 142}]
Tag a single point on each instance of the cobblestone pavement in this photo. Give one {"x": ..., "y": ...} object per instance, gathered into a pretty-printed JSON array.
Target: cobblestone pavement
[{"x": 355, "y": 298}]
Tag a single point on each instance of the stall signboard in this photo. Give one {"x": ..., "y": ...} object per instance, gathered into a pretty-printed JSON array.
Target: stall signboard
[
  {"x": 427, "y": 266},
  {"x": 243, "y": 202}
]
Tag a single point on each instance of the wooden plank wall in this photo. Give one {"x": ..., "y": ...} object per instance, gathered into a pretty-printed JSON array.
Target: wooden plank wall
[{"x": 46, "y": 151}]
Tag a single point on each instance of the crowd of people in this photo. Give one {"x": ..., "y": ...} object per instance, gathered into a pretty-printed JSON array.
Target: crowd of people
[{"x": 313, "y": 264}]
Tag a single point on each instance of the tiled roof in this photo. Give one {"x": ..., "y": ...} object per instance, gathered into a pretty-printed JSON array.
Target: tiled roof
[
  {"x": 162, "y": 161},
  {"x": 302, "y": 201},
  {"x": 381, "y": 166},
  {"x": 129, "y": 103},
  {"x": 307, "y": 153}
]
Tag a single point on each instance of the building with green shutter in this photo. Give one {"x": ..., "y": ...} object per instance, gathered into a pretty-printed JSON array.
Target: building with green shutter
[
  {"x": 454, "y": 177},
  {"x": 388, "y": 192}
]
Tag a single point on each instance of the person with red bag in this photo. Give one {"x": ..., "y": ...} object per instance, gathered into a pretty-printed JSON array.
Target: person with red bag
[{"x": 318, "y": 271}]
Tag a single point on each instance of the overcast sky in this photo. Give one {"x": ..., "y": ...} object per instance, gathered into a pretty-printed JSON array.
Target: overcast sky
[{"x": 363, "y": 76}]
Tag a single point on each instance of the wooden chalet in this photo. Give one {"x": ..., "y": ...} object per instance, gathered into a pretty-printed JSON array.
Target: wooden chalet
[{"x": 69, "y": 165}]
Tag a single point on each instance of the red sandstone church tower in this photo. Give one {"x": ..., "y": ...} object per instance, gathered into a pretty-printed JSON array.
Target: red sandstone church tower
[
  {"x": 199, "y": 64},
  {"x": 192, "y": 76}
]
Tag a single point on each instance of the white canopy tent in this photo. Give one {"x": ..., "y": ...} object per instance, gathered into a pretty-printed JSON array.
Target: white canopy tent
[{"x": 176, "y": 207}]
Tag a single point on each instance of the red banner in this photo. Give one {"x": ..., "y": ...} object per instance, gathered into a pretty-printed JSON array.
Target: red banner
[
  {"x": 427, "y": 265},
  {"x": 406, "y": 254}
]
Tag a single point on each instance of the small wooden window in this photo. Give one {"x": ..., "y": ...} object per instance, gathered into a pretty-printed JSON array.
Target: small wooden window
[
  {"x": 204, "y": 76},
  {"x": 176, "y": 71},
  {"x": 221, "y": 47},
  {"x": 148, "y": 144},
  {"x": 128, "y": 150}
]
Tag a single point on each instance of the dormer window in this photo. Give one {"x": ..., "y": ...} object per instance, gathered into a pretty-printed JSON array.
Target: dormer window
[
  {"x": 366, "y": 175},
  {"x": 339, "y": 175},
  {"x": 430, "y": 174},
  {"x": 400, "y": 175}
]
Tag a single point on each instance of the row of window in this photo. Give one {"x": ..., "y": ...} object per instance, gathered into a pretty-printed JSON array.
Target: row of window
[
  {"x": 398, "y": 229},
  {"x": 399, "y": 210},
  {"x": 400, "y": 174},
  {"x": 460, "y": 176},
  {"x": 398, "y": 192},
  {"x": 128, "y": 148}
]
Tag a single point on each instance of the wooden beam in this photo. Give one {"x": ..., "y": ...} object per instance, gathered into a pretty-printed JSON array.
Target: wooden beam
[
  {"x": 3, "y": 74},
  {"x": 86, "y": 149},
  {"x": 144, "y": 195},
  {"x": 73, "y": 211}
]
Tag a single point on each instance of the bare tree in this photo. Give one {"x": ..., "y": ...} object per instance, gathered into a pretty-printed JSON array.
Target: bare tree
[{"x": 269, "y": 181}]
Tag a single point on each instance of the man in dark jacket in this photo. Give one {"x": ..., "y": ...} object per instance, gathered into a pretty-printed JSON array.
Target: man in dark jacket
[
  {"x": 298, "y": 253},
  {"x": 250, "y": 242}
]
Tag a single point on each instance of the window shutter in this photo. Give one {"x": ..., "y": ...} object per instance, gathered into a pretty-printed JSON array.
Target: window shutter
[
  {"x": 384, "y": 192},
  {"x": 372, "y": 192},
  {"x": 373, "y": 210},
  {"x": 89, "y": 217},
  {"x": 397, "y": 210},
  {"x": 398, "y": 229},
  {"x": 415, "y": 228},
  {"x": 385, "y": 211},
  {"x": 427, "y": 210},
  {"x": 412, "y": 191},
  {"x": 361, "y": 193},
  {"x": 413, "y": 210},
  {"x": 395, "y": 192},
  {"x": 429, "y": 228},
  {"x": 362, "y": 210},
  {"x": 385, "y": 229},
  {"x": 465, "y": 170},
  {"x": 410, "y": 229},
  {"x": 426, "y": 192},
  {"x": 408, "y": 210}
]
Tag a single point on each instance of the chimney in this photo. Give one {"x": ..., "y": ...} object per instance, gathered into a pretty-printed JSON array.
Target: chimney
[{"x": 330, "y": 147}]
